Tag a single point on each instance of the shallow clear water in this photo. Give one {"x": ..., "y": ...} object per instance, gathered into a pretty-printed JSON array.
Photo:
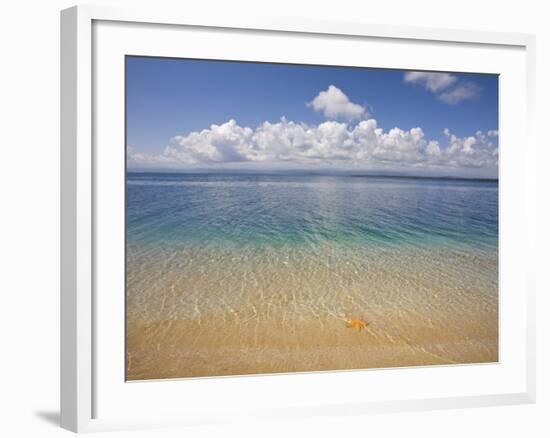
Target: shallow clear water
[{"x": 280, "y": 254}]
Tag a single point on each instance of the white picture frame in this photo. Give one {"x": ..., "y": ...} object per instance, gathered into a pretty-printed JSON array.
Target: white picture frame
[{"x": 87, "y": 375}]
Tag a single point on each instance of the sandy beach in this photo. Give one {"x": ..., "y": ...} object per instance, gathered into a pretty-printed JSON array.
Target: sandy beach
[{"x": 216, "y": 315}]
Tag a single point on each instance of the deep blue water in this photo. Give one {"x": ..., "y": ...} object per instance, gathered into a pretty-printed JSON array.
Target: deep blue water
[{"x": 276, "y": 210}]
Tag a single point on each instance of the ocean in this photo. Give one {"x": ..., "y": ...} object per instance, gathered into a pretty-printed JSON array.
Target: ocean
[{"x": 231, "y": 274}]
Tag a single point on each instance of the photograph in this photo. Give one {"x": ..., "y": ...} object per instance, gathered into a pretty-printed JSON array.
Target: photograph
[{"x": 286, "y": 218}]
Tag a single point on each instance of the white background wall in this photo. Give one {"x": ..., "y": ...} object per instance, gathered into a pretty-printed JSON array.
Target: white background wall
[{"x": 29, "y": 216}]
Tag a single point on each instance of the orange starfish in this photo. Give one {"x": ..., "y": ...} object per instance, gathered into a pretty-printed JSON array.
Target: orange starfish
[{"x": 357, "y": 323}]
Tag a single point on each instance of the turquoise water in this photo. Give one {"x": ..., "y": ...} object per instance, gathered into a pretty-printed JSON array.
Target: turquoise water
[
  {"x": 209, "y": 210},
  {"x": 237, "y": 274}
]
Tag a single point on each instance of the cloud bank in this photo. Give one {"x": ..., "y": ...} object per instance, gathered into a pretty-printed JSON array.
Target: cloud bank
[{"x": 330, "y": 144}]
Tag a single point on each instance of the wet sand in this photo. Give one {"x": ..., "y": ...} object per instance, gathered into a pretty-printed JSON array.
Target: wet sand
[{"x": 214, "y": 312}]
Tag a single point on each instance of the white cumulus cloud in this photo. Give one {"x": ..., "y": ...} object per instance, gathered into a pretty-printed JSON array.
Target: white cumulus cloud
[
  {"x": 334, "y": 104},
  {"x": 448, "y": 87},
  {"x": 228, "y": 142},
  {"x": 464, "y": 91},
  {"x": 433, "y": 82},
  {"x": 478, "y": 150}
]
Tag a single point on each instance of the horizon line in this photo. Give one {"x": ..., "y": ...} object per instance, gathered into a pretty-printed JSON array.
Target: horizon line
[{"x": 354, "y": 174}]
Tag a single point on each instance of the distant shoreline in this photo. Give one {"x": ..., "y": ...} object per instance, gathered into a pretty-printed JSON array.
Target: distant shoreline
[
  {"x": 448, "y": 178},
  {"x": 305, "y": 173}
]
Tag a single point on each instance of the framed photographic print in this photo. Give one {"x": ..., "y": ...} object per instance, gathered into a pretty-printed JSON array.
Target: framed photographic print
[{"x": 257, "y": 208}]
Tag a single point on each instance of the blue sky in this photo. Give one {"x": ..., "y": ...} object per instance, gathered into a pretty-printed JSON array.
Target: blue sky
[{"x": 173, "y": 103}]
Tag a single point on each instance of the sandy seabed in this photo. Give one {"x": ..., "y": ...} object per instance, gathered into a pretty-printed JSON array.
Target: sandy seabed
[{"x": 214, "y": 313}]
